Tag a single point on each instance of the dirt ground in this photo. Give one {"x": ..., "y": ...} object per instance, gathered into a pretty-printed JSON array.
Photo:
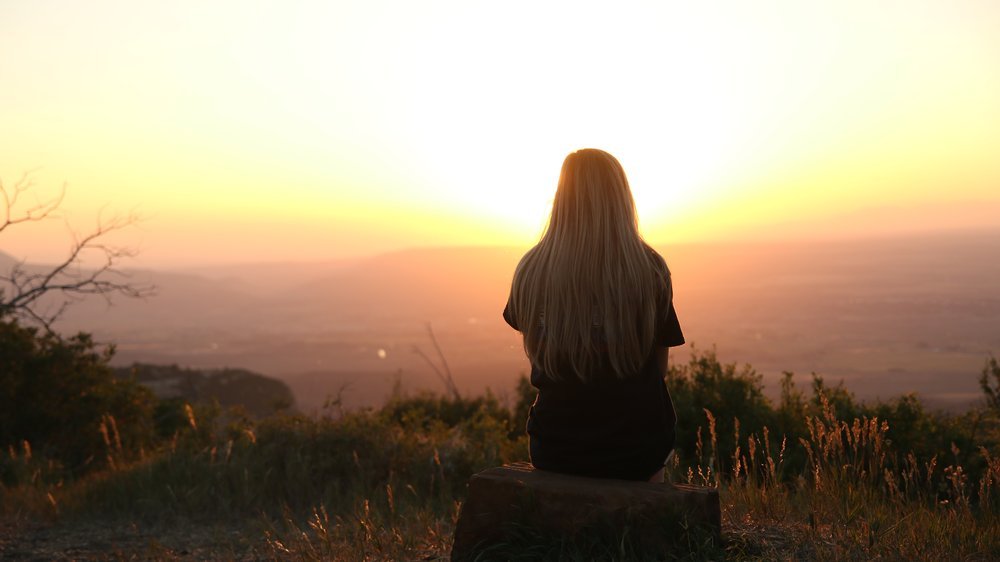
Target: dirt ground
[{"x": 84, "y": 540}]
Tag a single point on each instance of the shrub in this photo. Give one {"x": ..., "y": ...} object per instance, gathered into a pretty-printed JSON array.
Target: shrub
[
  {"x": 727, "y": 392},
  {"x": 60, "y": 396}
]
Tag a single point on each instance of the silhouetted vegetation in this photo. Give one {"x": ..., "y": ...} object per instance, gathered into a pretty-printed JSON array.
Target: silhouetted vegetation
[
  {"x": 732, "y": 398},
  {"x": 39, "y": 295},
  {"x": 61, "y": 403},
  {"x": 813, "y": 474},
  {"x": 256, "y": 394}
]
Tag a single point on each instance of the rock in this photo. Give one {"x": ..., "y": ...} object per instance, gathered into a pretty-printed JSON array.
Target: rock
[{"x": 517, "y": 496}]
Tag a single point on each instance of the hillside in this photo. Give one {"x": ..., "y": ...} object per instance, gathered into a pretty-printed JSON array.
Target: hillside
[
  {"x": 916, "y": 313},
  {"x": 257, "y": 394}
]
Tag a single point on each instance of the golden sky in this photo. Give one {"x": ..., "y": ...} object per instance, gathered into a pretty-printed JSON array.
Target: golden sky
[{"x": 258, "y": 131}]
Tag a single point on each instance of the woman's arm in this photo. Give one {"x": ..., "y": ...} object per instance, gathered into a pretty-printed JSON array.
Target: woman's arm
[{"x": 662, "y": 356}]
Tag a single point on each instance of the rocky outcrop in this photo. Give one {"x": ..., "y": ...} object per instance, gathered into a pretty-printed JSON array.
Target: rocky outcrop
[{"x": 518, "y": 496}]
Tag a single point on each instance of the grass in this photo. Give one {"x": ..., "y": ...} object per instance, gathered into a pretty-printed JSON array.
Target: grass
[{"x": 387, "y": 484}]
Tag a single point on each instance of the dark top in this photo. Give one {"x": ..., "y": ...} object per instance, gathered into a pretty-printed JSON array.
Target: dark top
[{"x": 607, "y": 427}]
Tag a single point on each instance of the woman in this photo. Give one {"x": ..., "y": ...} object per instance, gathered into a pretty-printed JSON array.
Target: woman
[{"x": 593, "y": 302}]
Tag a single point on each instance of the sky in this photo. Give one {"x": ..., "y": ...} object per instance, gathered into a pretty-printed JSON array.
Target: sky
[{"x": 248, "y": 131}]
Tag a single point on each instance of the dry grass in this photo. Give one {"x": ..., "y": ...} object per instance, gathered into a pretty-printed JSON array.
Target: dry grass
[{"x": 374, "y": 486}]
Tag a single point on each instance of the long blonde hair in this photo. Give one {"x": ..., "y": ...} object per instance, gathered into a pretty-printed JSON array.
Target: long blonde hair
[{"x": 591, "y": 273}]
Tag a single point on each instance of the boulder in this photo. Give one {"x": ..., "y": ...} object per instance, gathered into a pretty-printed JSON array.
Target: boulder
[{"x": 509, "y": 499}]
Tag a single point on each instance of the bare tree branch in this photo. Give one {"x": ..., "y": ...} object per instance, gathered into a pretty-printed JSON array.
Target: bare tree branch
[
  {"x": 445, "y": 375},
  {"x": 23, "y": 288},
  {"x": 40, "y": 211},
  {"x": 444, "y": 362},
  {"x": 433, "y": 367}
]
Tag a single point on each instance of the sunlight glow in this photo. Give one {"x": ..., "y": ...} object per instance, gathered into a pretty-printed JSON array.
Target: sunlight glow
[{"x": 318, "y": 129}]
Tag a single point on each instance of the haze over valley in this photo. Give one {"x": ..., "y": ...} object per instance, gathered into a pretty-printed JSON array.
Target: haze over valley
[{"x": 890, "y": 315}]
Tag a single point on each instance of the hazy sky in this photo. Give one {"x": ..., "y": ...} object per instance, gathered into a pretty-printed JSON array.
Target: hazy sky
[{"x": 249, "y": 131}]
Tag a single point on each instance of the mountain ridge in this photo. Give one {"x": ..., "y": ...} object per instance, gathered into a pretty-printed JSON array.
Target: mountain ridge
[{"x": 916, "y": 312}]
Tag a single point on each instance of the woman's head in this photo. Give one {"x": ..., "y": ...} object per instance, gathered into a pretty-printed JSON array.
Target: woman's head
[
  {"x": 593, "y": 199},
  {"x": 586, "y": 294}
]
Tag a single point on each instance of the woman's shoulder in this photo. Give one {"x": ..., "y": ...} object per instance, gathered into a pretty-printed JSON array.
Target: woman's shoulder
[
  {"x": 656, "y": 259},
  {"x": 659, "y": 266}
]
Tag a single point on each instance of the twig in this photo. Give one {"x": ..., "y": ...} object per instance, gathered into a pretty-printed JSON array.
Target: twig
[
  {"x": 21, "y": 290},
  {"x": 445, "y": 375}
]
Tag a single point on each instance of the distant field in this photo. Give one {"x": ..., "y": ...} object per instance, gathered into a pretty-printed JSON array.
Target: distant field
[{"x": 887, "y": 316}]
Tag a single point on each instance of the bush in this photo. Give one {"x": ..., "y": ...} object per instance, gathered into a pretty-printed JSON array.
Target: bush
[
  {"x": 730, "y": 393},
  {"x": 725, "y": 391},
  {"x": 60, "y": 396},
  {"x": 426, "y": 408}
]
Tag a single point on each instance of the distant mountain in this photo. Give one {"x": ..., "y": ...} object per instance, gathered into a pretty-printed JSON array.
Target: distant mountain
[
  {"x": 258, "y": 394},
  {"x": 268, "y": 278},
  {"x": 6, "y": 262},
  {"x": 887, "y": 315}
]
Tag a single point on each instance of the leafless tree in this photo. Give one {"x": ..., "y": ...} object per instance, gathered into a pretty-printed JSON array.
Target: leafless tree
[{"x": 24, "y": 288}]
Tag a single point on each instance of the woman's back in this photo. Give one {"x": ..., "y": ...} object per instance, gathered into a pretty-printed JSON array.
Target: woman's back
[
  {"x": 605, "y": 426},
  {"x": 594, "y": 304}
]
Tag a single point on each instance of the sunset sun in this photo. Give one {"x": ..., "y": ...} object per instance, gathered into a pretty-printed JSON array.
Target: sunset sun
[{"x": 371, "y": 126}]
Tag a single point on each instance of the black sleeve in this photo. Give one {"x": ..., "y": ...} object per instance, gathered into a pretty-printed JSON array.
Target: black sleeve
[
  {"x": 508, "y": 316},
  {"x": 668, "y": 329}
]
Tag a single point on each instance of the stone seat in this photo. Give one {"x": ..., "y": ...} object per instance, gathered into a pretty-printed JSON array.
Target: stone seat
[{"x": 656, "y": 514}]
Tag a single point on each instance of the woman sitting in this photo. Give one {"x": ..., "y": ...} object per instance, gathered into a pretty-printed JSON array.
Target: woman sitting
[{"x": 594, "y": 305}]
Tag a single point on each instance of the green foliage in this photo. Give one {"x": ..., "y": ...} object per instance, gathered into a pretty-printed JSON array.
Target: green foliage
[
  {"x": 815, "y": 474},
  {"x": 912, "y": 428},
  {"x": 170, "y": 417},
  {"x": 792, "y": 408},
  {"x": 426, "y": 409},
  {"x": 298, "y": 462},
  {"x": 60, "y": 396},
  {"x": 843, "y": 402},
  {"x": 727, "y": 392},
  {"x": 862, "y": 487}
]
